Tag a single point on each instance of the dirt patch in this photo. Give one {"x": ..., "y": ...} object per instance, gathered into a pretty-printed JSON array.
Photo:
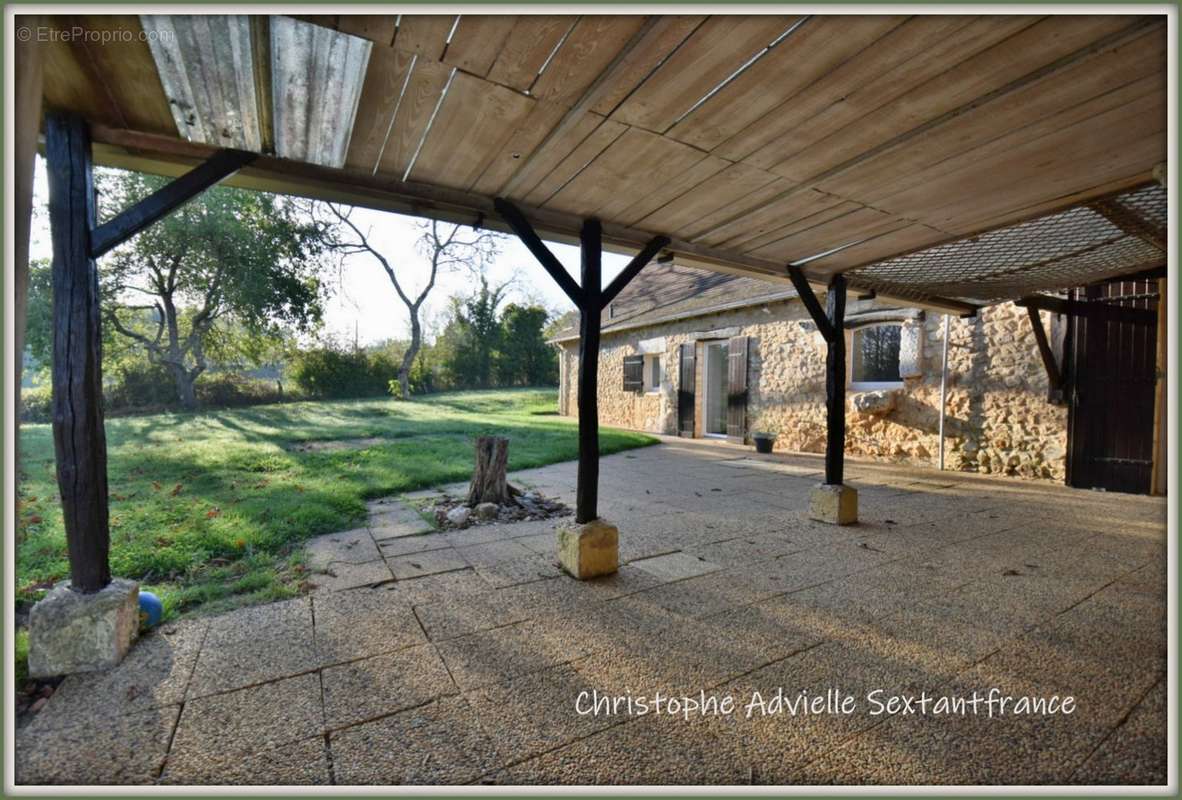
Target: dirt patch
[{"x": 331, "y": 445}]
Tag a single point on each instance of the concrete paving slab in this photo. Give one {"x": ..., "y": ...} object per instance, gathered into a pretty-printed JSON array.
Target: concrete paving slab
[
  {"x": 123, "y": 750},
  {"x": 254, "y": 645},
  {"x": 339, "y": 576},
  {"x": 303, "y": 763},
  {"x": 514, "y": 572},
  {"x": 363, "y": 622},
  {"x": 257, "y": 718},
  {"x": 382, "y": 685},
  {"x": 154, "y": 674},
  {"x": 497, "y": 655},
  {"x": 355, "y": 546},
  {"x": 391, "y": 520},
  {"x": 537, "y": 712},
  {"x": 439, "y": 743},
  {"x": 429, "y": 562},
  {"x": 676, "y": 566},
  {"x": 405, "y": 545}
]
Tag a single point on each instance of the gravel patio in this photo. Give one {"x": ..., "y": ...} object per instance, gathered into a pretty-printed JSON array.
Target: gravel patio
[{"x": 459, "y": 657}]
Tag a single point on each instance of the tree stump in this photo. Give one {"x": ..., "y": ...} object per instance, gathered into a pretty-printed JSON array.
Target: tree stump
[{"x": 489, "y": 484}]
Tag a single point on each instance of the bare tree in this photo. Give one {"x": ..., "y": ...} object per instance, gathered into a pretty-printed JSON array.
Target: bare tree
[{"x": 443, "y": 245}]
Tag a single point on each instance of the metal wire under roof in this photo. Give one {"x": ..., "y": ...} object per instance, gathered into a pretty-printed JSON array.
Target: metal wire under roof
[{"x": 1069, "y": 248}]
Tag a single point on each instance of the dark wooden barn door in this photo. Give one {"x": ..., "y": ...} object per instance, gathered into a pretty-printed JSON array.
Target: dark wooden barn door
[
  {"x": 686, "y": 394},
  {"x": 1112, "y": 357},
  {"x": 736, "y": 401}
]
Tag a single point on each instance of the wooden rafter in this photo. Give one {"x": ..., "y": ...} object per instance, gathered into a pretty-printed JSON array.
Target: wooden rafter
[{"x": 167, "y": 199}]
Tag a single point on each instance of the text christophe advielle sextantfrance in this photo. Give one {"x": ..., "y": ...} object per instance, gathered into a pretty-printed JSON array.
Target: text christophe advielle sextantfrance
[{"x": 991, "y": 702}]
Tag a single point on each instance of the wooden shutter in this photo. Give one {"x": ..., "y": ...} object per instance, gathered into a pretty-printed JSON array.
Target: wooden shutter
[
  {"x": 687, "y": 378},
  {"x": 634, "y": 374},
  {"x": 736, "y": 401}
]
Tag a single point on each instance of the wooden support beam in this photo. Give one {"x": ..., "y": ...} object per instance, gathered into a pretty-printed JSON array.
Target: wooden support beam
[
  {"x": 632, "y": 269},
  {"x": 809, "y": 298},
  {"x": 835, "y": 385},
  {"x": 1054, "y": 371},
  {"x": 163, "y": 202},
  {"x": 587, "y": 491},
  {"x": 1042, "y": 302},
  {"x": 80, "y": 444},
  {"x": 529, "y": 237}
]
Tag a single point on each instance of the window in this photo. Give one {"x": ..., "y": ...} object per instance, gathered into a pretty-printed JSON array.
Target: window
[
  {"x": 654, "y": 372},
  {"x": 874, "y": 357}
]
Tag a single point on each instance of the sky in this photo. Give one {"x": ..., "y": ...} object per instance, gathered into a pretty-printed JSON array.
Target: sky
[{"x": 364, "y": 303}]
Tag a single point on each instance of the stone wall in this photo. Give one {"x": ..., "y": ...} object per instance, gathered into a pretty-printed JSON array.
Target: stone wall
[{"x": 997, "y": 421}]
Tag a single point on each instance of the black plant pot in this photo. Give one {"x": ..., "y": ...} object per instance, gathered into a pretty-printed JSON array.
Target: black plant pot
[{"x": 763, "y": 444}]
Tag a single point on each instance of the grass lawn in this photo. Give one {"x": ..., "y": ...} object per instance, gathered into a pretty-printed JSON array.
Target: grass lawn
[{"x": 208, "y": 509}]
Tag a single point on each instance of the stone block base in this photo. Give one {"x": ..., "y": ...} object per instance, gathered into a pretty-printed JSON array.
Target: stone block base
[
  {"x": 836, "y": 504},
  {"x": 589, "y": 550},
  {"x": 73, "y": 632}
]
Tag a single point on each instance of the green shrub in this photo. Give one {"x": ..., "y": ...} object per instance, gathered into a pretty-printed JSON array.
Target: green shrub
[
  {"x": 138, "y": 386},
  {"x": 37, "y": 404},
  {"x": 229, "y": 389},
  {"x": 329, "y": 373}
]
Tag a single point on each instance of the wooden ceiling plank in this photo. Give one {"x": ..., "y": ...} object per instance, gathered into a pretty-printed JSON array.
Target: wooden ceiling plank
[
  {"x": 587, "y": 151},
  {"x": 670, "y": 190},
  {"x": 707, "y": 58},
  {"x": 527, "y": 47},
  {"x": 861, "y": 223},
  {"x": 590, "y": 48},
  {"x": 70, "y": 77},
  {"x": 384, "y": 80},
  {"x": 731, "y": 184},
  {"x": 377, "y": 28},
  {"x": 477, "y": 41},
  {"x": 1047, "y": 166},
  {"x": 424, "y": 35},
  {"x": 666, "y": 35},
  {"x": 876, "y": 249},
  {"x": 518, "y": 149},
  {"x": 549, "y": 154},
  {"x": 820, "y": 45},
  {"x": 768, "y": 217},
  {"x": 427, "y": 81},
  {"x": 912, "y": 53},
  {"x": 1062, "y": 99},
  {"x": 473, "y": 122},
  {"x": 741, "y": 211},
  {"x": 826, "y": 208},
  {"x": 1061, "y": 180},
  {"x": 123, "y": 61},
  {"x": 1019, "y": 59},
  {"x": 636, "y": 160}
]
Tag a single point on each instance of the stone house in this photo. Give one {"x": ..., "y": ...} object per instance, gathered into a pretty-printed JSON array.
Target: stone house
[{"x": 695, "y": 353}]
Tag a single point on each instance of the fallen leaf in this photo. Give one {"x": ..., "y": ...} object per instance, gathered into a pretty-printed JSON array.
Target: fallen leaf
[{"x": 176, "y": 490}]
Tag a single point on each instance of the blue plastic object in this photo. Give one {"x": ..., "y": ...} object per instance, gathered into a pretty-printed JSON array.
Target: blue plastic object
[{"x": 151, "y": 610}]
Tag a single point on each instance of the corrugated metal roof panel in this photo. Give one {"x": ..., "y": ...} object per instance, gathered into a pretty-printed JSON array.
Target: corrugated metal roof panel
[
  {"x": 206, "y": 66},
  {"x": 316, "y": 79}
]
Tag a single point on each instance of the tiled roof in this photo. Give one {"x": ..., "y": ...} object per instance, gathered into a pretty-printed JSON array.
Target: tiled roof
[{"x": 664, "y": 292}]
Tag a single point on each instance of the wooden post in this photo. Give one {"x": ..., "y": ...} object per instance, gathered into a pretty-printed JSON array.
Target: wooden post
[
  {"x": 587, "y": 499},
  {"x": 80, "y": 443},
  {"x": 590, "y": 298},
  {"x": 835, "y": 384}
]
